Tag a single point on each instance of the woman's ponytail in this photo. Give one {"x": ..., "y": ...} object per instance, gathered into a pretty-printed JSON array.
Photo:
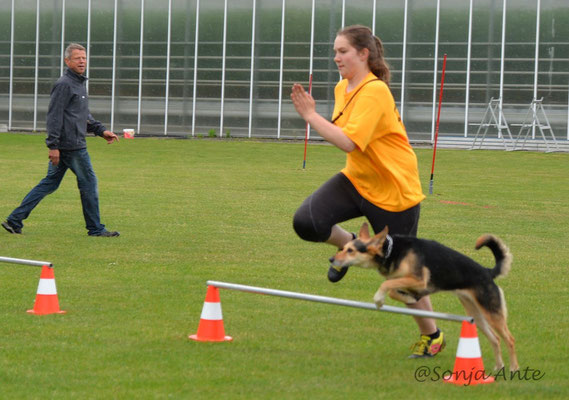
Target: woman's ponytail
[{"x": 361, "y": 38}]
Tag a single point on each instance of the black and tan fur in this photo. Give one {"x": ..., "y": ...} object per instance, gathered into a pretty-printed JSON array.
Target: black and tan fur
[{"x": 417, "y": 267}]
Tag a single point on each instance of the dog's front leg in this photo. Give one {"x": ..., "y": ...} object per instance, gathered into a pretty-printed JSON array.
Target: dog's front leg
[
  {"x": 379, "y": 297},
  {"x": 407, "y": 282},
  {"x": 401, "y": 296}
]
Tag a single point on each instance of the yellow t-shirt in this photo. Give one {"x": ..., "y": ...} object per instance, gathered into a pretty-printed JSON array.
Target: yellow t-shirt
[{"x": 383, "y": 167}]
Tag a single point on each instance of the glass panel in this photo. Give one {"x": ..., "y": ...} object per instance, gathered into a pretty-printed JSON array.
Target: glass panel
[
  {"x": 101, "y": 60},
  {"x": 153, "y": 67},
  {"x": 267, "y": 60},
  {"x": 453, "y": 41},
  {"x": 520, "y": 56},
  {"x": 296, "y": 65},
  {"x": 24, "y": 64},
  {"x": 182, "y": 67},
  {"x": 127, "y": 64},
  {"x": 328, "y": 19},
  {"x": 419, "y": 78},
  {"x": 76, "y": 22},
  {"x": 358, "y": 12},
  {"x": 5, "y": 21},
  {"x": 50, "y": 58},
  {"x": 237, "y": 69},
  {"x": 553, "y": 69},
  {"x": 210, "y": 50},
  {"x": 485, "y": 58},
  {"x": 389, "y": 28}
]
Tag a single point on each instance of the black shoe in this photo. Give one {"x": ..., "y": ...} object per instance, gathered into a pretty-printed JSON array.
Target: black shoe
[
  {"x": 334, "y": 275},
  {"x": 12, "y": 229},
  {"x": 107, "y": 234}
]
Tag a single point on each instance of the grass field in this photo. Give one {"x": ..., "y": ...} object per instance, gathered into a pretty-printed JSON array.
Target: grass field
[{"x": 193, "y": 210}]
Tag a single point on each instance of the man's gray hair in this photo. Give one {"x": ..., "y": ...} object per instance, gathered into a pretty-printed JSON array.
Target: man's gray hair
[{"x": 71, "y": 47}]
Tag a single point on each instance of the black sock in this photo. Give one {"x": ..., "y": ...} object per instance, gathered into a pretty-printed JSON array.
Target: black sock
[{"x": 435, "y": 335}]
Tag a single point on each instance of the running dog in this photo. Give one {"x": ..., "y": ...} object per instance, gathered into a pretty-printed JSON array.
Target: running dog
[{"x": 416, "y": 267}]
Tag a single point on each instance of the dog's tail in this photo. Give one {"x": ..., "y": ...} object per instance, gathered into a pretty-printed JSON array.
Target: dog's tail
[{"x": 501, "y": 253}]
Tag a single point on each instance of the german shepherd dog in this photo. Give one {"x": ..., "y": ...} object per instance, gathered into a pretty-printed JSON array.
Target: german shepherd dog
[{"x": 417, "y": 267}]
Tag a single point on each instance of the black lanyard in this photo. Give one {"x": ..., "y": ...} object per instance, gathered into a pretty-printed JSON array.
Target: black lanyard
[{"x": 349, "y": 101}]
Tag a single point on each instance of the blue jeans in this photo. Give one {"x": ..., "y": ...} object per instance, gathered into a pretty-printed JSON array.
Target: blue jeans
[{"x": 79, "y": 163}]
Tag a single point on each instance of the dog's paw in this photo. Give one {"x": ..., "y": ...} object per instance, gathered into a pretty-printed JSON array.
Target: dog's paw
[
  {"x": 379, "y": 299},
  {"x": 499, "y": 367}
]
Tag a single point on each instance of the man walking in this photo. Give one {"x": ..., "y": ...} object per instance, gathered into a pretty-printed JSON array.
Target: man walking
[{"x": 68, "y": 121}]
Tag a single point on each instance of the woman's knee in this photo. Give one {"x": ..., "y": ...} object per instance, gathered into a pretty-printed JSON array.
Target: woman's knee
[{"x": 305, "y": 228}]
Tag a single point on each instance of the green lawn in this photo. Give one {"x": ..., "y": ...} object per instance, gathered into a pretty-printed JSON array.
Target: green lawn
[{"x": 193, "y": 210}]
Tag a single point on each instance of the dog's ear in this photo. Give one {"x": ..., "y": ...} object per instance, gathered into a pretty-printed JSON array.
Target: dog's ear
[
  {"x": 375, "y": 245},
  {"x": 381, "y": 235},
  {"x": 364, "y": 232}
]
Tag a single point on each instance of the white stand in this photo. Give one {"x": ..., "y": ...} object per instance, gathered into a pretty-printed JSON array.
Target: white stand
[
  {"x": 535, "y": 111},
  {"x": 493, "y": 117}
]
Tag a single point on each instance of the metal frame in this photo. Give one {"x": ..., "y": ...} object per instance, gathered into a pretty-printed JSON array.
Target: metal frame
[
  {"x": 196, "y": 43},
  {"x": 435, "y": 70},
  {"x": 468, "y": 57},
  {"x": 536, "y": 65},
  {"x": 404, "y": 60},
  {"x": 223, "y": 63},
  {"x": 140, "y": 67},
  {"x": 311, "y": 58},
  {"x": 88, "y": 41},
  {"x": 373, "y": 11},
  {"x": 62, "y": 64},
  {"x": 167, "y": 88},
  {"x": 114, "y": 74},
  {"x": 281, "y": 70},
  {"x": 281, "y": 101},
  {"x": 535, "y": 108},
  {"x": 493, "y": 117},
  {"x": 252, "y": 71},
  {"x": 36, "y": 76},
  {"x": 11, "y": 96},
  {"x": 502, "y": 60},
  {"x": 339, "y": 302}
]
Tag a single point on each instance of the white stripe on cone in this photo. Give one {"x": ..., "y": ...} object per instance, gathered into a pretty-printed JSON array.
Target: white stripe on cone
[
  {"x": 211, "y": 311},
  {"x": 47, "y": 286},
  {"x": 468, "y": 348}
]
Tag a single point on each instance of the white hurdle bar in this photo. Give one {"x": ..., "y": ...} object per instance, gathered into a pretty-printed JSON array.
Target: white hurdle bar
[
  {"x": 26, "y": 262},
  {"x": 339, "y": 302}
]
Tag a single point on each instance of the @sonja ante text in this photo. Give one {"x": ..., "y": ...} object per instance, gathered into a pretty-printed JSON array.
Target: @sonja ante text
[{"x": 434, "y": 374}]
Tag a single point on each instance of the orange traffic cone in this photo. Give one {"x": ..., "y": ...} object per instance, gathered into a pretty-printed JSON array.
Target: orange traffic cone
[
  {"x": 46, "y": 298},
  {"x": 468, "y": 367},
  {"x": 211, "y": 328}
]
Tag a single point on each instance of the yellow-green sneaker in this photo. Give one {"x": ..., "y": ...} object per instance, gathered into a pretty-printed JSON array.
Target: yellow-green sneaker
[{"x": 427, "y": 347}]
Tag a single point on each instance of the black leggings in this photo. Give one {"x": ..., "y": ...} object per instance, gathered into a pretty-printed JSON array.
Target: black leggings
[{"x": 337, "y": 201}]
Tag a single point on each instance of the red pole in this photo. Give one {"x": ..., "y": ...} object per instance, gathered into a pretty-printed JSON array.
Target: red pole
[
  {"x": 307, "y": 126},
  {"x": 437, "y": 126}
]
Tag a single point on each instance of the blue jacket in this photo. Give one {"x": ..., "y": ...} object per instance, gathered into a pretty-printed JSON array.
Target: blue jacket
[{"x": 68, "y": 116}]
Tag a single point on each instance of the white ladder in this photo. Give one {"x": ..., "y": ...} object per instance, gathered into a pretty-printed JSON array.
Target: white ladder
[
  {"x": 535, "y": 110},
  {"x": 493, "y": 117}
]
